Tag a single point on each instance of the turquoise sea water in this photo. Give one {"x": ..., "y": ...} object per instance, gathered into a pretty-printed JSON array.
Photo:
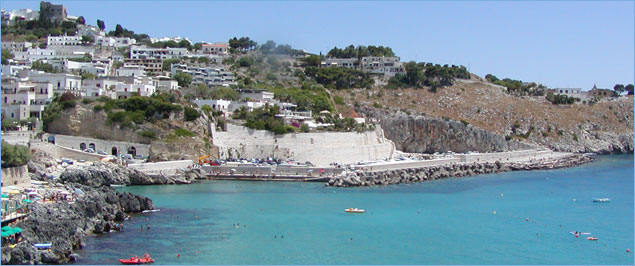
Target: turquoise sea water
[{"x": 449, "y": 221}]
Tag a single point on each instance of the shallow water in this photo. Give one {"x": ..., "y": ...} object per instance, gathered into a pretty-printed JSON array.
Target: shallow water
[{"x": 449, "y": 221}]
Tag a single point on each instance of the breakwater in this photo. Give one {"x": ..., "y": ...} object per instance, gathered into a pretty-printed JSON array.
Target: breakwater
[{"x": 433, "y": 172}]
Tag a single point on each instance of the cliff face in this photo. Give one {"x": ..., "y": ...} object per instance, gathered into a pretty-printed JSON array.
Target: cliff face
[{"x": 429, "y": 135}]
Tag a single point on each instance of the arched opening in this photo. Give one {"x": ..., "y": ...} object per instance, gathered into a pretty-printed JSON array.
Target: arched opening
[
  {"x": 114, "y": 151},
  {"x": 91, "y": 146},
  {"x": 82, "y": 146},
  {"x": 132, "y": 150}
]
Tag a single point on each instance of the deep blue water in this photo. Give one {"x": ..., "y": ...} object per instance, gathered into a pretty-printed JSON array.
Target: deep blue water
[{"x": 449, "y": 221}]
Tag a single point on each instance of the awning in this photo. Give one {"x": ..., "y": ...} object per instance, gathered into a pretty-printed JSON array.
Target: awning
[
  {"x": 14, "y": 192},
  {"x": 32, "y": 193}
]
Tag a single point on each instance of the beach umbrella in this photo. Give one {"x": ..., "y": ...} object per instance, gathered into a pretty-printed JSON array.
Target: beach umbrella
[
  {"x": 14, "y": 192},
  {"x": 12, "y": 187},
  {"x": 28, "y": 201},
  {"x": 17, "y": 230},
  {"x": 5, "y": 196},
  {"x": 6, "y": 228},
  {"x": 6, "y": 234}
]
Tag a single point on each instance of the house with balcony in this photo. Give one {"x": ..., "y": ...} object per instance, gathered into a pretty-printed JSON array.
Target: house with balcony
[
  {"x": 16, "y": 46},
  {"x": 210, "y": 76},
  {"x": 388, "y": 66},
  {"x": 340, "y": 62},
  {"x": 61, "y": 82},
  {"x": 25, "y": 99},
  {"x": 114, "y": 41},
  {"x": 64, "y": 40}
]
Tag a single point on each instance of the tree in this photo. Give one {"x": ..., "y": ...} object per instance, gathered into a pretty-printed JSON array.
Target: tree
[
  {"x": 6, "y": 55},
  {"x": 80, "y": 20},
  {"x": 167, "y": 63},
  {"x": 629, "y": 89},
  {"x": 118, "y": 31},
  {"x": 313, "y": 60},
  {"x": 183, "y": 79},
  {"x": 190, "y": 114},
  {"x": 101, "y": 24},
  {"x": 618, "y": 88},
  {"x": 87, "y": 39},
  {"x": 14, "y": 155}
]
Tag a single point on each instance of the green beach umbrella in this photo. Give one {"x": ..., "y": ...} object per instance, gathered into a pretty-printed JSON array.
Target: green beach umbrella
[
  {"x": 5, "y": 195},
  {"x": 28, "y": 201},
  {"x": 6, "y": 228},
  {"x": 5, "y": 234},
  {"x": 17, "y": 230}
]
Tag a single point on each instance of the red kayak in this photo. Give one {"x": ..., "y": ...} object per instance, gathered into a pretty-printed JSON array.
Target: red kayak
[{"x": 136, "y": 260}]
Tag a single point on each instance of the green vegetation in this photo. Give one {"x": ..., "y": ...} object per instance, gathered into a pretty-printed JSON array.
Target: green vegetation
[
  {"x": 123, "y": 32},
  {"x": 46, "y": 67},
  {"x": 345, "y": 124},
  {"x": 264, "y": 119},
  {"x": 6, "y": 55},
  {"x": 517, "y": 87},
  {"x": 172, "y": 44},
  {"x": 167, "y": 63},
  {"x": 190, "y": 114},
  {"x": 40, "y": 28},
  {"x": 182, "y": 132},
  {"x": 201, "y": 91},
  {"x": 360, "y": 51},
  {"x": 241, "y": 45},
  {"x": 338, "y": 100},
  {"x": 629, "y": 89},
  {"x": 340, "y": 77},
  {"x": 377, "y": 105},
  {"x": 184, "y": 79},
  {"x": 245, "y": 61},
  {"x": 427, "y": 74},
  {"x": 620, "y": 88},
  {"x": 86, "y": 58},
  {"x": 309, "y": 97},
  {"x": 270, "y": 47},
  {"x": 560, "y": 98},
  {"x": 14, "y": 155}
]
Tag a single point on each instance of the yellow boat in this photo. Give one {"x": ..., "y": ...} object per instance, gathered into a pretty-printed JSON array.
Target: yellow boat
[{"x": 354, "y": 210}]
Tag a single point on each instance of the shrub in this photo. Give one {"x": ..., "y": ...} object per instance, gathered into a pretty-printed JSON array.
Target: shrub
[
  {"x": 68, "y": 104},
  {"x": 148, "y": 134},
  {"x": 190, "y": 114},
  {"x": 182, "y": 132},
  {"x": 465, "y": 122},
  {"x": 14, "y": 155},
  {"x": 338, "y": 100},
  {"x": 377, "y": 105},
  {"x": 98, "y": 108},
  {"x": 87, "y": 101}
]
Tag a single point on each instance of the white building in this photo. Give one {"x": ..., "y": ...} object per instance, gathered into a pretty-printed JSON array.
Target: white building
[
  {"x": 130, "y": 70},
  {"x": 16, "y": 46},
  {"x": 165, "y": 39},
  {"x": 125, "y": 90},
  {"x": 210, "y": 76},
  {"x": 25, "y": 99},
  {"x": 61, "y": 82},
  {"x": 217, "y": 105},
  {"x": 100, "y": 87},
  {"x": 388, "y": 66},
  {"x": 34, "y": 54},
  {"x": 143, "y": 52},
  {"x": 89, "y": 30},
  {"x": 259, "y": 96},
  {"x": 215, "y": 48},
  {"x": 114, "y": 41},
  {"x": 165, "y": 84},
  {"x": 13, "y": 70},
  {"x": 64, "y": 40},
  {"x": 99, "y": 67},
  {"x": 340, "y": 62},
  {"x": 26, "y": 14}
]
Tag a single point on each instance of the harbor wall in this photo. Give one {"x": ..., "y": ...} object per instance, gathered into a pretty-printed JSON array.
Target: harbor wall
[
  {"x": 320, "y": 149},
  {"x": 15, "y": 175},
  {"x": 108, "y": 146}
]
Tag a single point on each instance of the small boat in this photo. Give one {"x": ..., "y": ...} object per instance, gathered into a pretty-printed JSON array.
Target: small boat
[
  {"x": 148, "y": 211},
  {"x": 117, "y": 185},
  {"x": 354, "y": 210},
  {"x": 592, "y": 238},
  {"x": 136, "y": 260},
  {"x": 601, "y": 200}
]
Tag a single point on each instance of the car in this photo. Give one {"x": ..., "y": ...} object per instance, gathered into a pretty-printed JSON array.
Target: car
[
  {"x": 89, "y": 150},
  {"x": 139, "y": 157},
  {"x": 126, "y": 156},
  {"x": 101, "y": 152}
]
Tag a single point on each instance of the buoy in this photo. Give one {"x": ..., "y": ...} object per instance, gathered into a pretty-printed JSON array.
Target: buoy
[
  {"x": 573, "y": 200},
  {"x": 502, "y": 195},
  {"x": 494, "y": 212},
  {"x": 178, "y": 255},
  {"x": 628, "y": 250},
  {"x": 526, "y": 219}
]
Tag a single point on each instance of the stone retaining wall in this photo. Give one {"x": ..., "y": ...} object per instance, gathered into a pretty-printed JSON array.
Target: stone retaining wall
[{"x": 15, "y": 175}]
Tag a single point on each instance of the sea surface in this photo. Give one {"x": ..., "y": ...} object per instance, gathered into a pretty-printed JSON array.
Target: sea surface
[{"x": 508, "y": 218}]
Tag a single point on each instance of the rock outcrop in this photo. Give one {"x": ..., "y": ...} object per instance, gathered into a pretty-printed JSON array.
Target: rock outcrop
[
  {"x": 65, "y": 225},
  {"x": 446, "y": 171},
  {"x": 420, "y": 134},
  {"x": 105, "y": 174}
]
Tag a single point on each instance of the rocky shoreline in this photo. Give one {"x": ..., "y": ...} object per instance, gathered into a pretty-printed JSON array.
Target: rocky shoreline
[
  {"x": 409, "y": 175},
  {"x": 65, "y": 225}
]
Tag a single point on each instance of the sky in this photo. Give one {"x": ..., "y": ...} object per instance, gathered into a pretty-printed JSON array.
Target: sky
[{"x": 558, "y": 44}]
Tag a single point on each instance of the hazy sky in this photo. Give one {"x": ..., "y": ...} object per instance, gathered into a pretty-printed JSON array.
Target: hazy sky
[{"x": 560, "y": 44}]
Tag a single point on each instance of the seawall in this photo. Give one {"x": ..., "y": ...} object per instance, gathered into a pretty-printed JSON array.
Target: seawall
[
  {"x": 320, "y": 149},
  {"x": 452, "y": 169}
]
